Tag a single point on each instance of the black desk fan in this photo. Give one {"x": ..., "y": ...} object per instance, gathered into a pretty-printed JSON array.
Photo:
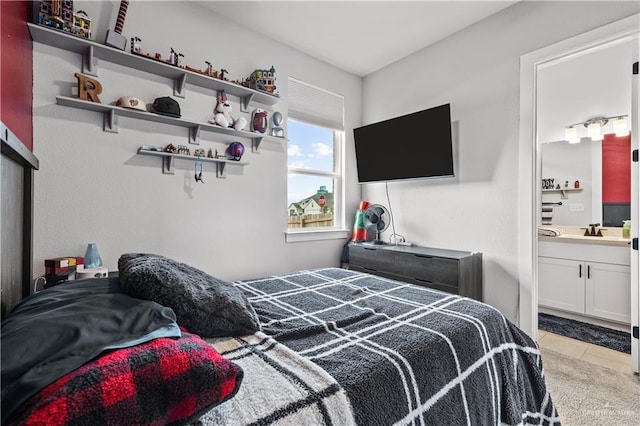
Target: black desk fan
[{"x": 376, "y": 219}]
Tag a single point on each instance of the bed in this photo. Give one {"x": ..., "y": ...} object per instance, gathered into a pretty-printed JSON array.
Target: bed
[{"x": 328, "y": 346}]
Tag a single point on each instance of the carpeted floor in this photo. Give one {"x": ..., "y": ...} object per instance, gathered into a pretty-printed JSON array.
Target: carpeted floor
[
  {"x": 601, "y": 336},
  {"x": 588, "y": 394}
]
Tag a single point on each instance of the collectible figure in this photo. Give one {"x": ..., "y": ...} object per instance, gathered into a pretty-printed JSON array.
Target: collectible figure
[
  {"x": 264, "y": 80},
  {"x": 223, "y": 114}
]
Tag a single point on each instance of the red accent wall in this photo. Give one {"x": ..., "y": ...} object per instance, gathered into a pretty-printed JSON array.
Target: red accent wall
[
  {"x": 616, "y": 169},
  {"x": 16, "y": 70}
]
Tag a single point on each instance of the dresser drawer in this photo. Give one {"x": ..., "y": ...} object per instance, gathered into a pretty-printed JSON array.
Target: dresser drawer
[
  {"x": 372, "y": 258},
  {"x": 435, "y": 286},
  {"x": 451, "y": 271},
  {"x": 429, "y": 268}
]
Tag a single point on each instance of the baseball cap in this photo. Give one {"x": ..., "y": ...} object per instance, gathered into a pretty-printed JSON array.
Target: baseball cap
[
  {"x": 130, "y": 102},
  {"x": 167, "y": 106}
]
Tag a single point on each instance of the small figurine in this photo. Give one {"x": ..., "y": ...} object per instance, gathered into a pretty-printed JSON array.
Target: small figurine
[
  {"x": 171, "y": 148},
  {"x": 135, "y": 45},
  {"x": 174, "y": 58},
  {"x": 222, "y": 73},
  {"x": 199, "y": 152},
  {"x": 184, "y": 150},
  {"x": 209, "y": 71}
]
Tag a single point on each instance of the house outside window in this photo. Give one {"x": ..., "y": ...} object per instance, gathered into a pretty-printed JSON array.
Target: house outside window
[{"x": 315, "y": 134}]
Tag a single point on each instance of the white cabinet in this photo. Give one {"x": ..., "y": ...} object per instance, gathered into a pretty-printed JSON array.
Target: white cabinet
[
  {"x": 561, "y": 284},
  {"x": 571, "y": 279},
  {"x": 608, "y": 291}
]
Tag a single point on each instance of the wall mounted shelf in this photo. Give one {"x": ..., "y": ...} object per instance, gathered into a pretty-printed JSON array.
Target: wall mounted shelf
[
  {"x": 93, "y": 51},
  {"x": 112, "y": 112},
  {"x": 167, "y": 161},
  {"x": 563, "y": 191}
]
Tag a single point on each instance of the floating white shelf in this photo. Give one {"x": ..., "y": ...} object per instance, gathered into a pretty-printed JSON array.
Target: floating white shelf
[
  {"x": 563, "y": 190},
  {"x": 93, "y": 51},
  {"x": 167, "y": 163},
  {"x": 112, "y": 112}
]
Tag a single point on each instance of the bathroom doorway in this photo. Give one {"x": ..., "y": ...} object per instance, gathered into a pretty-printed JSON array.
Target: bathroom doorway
[{"x": 536, "y": 128}]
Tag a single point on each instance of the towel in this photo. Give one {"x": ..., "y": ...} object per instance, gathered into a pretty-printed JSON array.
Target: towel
[{"x": 549, "y": 232}]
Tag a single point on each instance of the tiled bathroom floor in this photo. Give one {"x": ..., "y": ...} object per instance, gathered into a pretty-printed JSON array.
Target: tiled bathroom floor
[{"x": 586, "y": 351}]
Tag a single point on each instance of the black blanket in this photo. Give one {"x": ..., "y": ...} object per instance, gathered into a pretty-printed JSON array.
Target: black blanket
[
  {"x": 406, "y": 354},
  {"x": 53, "y": 332}
]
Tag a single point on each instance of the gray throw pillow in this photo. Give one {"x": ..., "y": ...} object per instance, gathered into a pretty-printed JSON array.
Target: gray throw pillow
[{"x": 204, "y": 305}]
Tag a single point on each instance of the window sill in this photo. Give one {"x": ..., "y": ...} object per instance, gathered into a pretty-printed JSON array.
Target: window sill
[{"x": 316, "y": 235}]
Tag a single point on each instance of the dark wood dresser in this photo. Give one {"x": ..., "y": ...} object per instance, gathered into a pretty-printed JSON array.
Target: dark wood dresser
[{"x": 453, "y": 271}]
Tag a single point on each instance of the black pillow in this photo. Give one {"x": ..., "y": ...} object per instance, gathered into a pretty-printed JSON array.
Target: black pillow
[{"x": 203, "y": 304}]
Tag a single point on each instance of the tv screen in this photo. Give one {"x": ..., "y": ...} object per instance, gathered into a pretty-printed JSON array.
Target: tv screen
[{"x": 412, "y": 146}]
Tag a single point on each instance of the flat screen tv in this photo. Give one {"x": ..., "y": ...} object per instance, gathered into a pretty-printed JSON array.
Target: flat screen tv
[{"x": 412, "y": 146}]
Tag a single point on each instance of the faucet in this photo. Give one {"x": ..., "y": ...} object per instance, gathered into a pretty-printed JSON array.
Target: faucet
[{"x": 592, "y": 232}]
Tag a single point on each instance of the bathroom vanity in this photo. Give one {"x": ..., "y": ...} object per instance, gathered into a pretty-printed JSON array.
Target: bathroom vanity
[{"x": 587, "y": 278}]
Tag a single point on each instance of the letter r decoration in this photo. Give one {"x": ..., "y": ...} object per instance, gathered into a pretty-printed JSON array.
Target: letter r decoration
[{"x": 88, "y": 88}]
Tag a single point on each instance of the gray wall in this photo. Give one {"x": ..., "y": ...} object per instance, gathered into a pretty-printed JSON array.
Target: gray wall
[
  {"x": 477, "y": 71},
  {"x": 92, "y": 187}
]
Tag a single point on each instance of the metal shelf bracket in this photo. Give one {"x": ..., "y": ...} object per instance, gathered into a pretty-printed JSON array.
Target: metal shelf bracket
[
  {"x": 167, "y": 166},
  {"x": 110, "y": 123},
  {"x": 220, "y": 172},
  {"x": 90, "y": 63},
  {"x": 244, "y": 102},
  {"x": 255, "y": 144},
  {"x": 194, "y": 135},
  {"x": 180, "y": 86}
]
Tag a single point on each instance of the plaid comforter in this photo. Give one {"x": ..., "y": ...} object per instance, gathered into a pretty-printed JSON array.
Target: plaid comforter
[{"x": 406, "y": 354}]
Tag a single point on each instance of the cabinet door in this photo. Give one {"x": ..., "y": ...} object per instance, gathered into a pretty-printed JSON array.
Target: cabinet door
[
  {"x": 608, "y": 291},
  {"x": 561, "y": 284}
]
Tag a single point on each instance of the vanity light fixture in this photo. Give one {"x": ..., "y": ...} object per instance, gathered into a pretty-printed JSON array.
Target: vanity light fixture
[
  {"x": 571, "y": 134},
  {"x": 594, "y": 128},
  {"x": 620, "y": 126}
]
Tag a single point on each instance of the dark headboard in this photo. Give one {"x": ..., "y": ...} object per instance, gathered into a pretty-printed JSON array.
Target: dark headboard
[{"x": 16, "y": 230}]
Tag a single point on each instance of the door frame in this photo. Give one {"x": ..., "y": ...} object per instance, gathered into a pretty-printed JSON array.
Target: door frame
[{"x": 529, "y": 162}]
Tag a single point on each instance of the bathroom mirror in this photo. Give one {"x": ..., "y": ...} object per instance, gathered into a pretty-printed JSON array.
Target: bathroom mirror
[{"x": 573, "y": 90}]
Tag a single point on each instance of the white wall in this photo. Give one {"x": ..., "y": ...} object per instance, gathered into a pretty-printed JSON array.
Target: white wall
[
  {"x": 477, "y": 71},
  {"x": 92, "y": 187}
]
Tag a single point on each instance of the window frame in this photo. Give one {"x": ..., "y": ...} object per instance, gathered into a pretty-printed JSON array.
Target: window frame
[{"x": 338, "y": 230}]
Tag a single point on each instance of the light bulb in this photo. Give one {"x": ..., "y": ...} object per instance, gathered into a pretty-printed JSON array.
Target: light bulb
[
  {"x": 571, "y": 135},
  {"x": 593, "y": 131},
  {"x": 620, "y": 126}
]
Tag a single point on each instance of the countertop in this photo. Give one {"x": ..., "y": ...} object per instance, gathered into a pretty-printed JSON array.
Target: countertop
[{"x": 572, "y": 234}]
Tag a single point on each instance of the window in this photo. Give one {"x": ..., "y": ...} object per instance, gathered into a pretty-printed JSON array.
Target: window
[{"x": 315, "y": 134}]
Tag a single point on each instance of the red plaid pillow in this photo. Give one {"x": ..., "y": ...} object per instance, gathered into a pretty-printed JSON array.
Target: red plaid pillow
[{"x": 162, "y": 381}]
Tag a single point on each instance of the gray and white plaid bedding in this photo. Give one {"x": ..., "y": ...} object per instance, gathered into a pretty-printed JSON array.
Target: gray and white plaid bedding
[
  {"x": 406, "y": 354},
  {"x": 278, "y": 387}
]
